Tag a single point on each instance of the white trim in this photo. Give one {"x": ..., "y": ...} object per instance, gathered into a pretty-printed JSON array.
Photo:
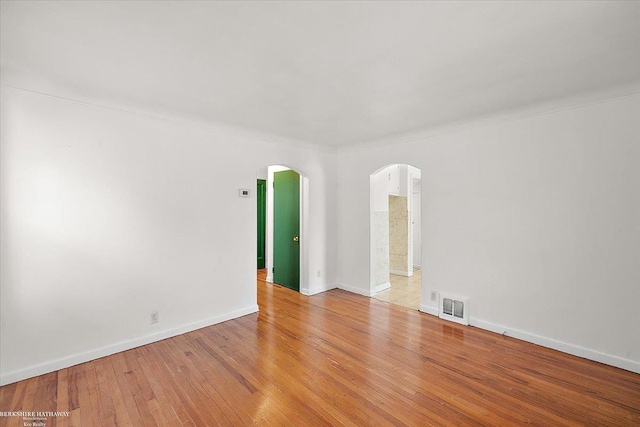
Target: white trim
[
  {"x": 372, "y": 257},
  {"x": 427, "y": 309},
  {"x": 382, "y": 287},
  {"x": 401, "y": 273},
  {"x": 355, "y": 290},
  {"x": 318, "y": 290},
  {"x": 303, "y": 253},
  {"x": 75, "y": 359},
  {"x": 269, "y": 279},
  {"x": 576, "y": 350}
]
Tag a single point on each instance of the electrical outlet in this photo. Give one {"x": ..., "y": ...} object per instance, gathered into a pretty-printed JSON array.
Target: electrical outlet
[
  {"x": 155, "y": 317},
  {"x": 434, "y": 296}
]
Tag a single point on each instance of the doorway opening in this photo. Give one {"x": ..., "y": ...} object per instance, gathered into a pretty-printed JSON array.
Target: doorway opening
[
  {"x": 395, "y": 235},
  {"x": 281, "y": 229}
]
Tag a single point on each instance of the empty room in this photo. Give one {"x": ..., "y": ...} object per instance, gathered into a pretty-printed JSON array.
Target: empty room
[{"x": 339, "y": 213}]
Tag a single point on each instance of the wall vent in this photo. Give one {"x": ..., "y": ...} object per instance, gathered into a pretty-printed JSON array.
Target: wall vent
[{"x": 454, "y": 308}]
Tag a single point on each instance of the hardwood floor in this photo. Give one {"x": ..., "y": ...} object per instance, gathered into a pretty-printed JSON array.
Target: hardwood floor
[{"x": 332, "y": 359}]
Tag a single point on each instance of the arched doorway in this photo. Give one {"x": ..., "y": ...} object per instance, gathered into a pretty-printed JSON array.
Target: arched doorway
[
  {"x": 395, "y": 235},
  {"x": 284, "y": 214}
]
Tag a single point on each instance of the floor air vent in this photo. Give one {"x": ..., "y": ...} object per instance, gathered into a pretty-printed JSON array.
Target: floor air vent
[{"x": 454, "y": 309}]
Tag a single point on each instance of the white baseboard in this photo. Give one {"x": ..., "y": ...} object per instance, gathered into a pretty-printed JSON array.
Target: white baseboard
[
  {"x": 576, "y": 350},
  {"x": 383, "y": 287},
  {"x": 366, "y": 293},
  {"x": 75, "y": 359},
  {"x": 429, "y": 309},
  {"x": 318, "y": 290},
  {"x": 269, "y": 279},
  {"x": 401, "y": 273}
]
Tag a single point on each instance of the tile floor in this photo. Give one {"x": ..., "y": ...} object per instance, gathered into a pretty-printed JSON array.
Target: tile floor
[{"x": 404, "y": 291}]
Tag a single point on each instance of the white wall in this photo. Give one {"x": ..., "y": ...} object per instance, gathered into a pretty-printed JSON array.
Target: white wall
[
  {"x": 536, "y": 220},
  {"x": 262, "y": 173},
  {"x": 382, "y": 185},
  {"x": 106, "y": 216}
]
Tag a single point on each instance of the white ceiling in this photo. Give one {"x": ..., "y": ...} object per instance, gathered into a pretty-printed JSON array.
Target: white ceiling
[{"x": 333, "y": 73}]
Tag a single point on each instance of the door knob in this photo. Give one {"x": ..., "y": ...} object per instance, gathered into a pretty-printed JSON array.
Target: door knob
[{"x": 296, "y": 239}]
